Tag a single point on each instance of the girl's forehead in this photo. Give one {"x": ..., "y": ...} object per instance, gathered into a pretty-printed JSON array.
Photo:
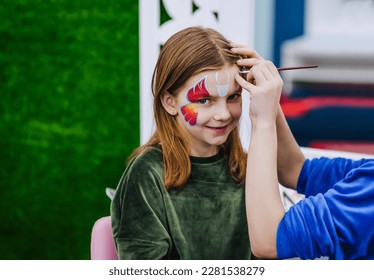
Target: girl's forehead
[
  {"x": 225, "y": 72},
  {"x": 217, "y": 82}
]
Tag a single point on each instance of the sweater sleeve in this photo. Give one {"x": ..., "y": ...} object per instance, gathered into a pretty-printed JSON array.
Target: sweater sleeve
[
  {"x": 138, "y": 216},
  {"x": 320, "y": 174},
  {"x": 337, "y": 224}
]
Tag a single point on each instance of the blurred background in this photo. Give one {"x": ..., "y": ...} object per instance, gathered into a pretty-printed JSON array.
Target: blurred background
[{"x": 69, "y": 107}]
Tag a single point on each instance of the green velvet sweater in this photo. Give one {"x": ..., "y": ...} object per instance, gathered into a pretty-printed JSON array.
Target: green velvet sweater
[{"x": 205, "y": 220}]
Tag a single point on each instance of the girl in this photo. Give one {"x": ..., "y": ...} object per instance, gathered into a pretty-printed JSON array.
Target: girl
[{"x": 181, "y": 195}]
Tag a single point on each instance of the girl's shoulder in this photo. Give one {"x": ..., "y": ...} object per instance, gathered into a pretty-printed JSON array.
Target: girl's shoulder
[
  {"x": 150, "y": 153},
  {"x": 144, "y": 168},
  {"x": 150, "y": 156}
]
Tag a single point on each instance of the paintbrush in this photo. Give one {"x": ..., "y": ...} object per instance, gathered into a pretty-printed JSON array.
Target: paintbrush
[{"x": 246, "y": 71}]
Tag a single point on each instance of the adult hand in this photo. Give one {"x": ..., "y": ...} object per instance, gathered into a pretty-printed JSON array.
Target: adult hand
[{"x": 263, "y": 83}]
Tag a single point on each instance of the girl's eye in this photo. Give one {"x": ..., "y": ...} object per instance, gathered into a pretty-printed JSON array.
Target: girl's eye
[
  {"x": 234, "y": 97},
  {"x": 203, "y": 101}
]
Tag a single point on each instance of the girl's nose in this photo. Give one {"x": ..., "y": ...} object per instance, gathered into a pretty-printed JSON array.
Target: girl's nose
[{"x": 221, "y": 113}]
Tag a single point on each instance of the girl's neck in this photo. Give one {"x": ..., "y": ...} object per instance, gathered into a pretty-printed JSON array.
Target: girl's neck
[{"x": 204, "y": 152}]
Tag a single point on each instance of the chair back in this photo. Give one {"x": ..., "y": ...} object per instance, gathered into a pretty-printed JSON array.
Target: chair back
[{"x": 102, "y": 244}]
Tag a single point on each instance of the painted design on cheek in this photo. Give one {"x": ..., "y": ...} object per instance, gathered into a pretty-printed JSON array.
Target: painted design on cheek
[
  {"x": 191, "y": 110},
  {"x": 223, "y": 88}
]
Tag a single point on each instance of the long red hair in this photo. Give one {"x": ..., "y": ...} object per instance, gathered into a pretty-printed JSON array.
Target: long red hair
[{"x": 185, "y": 54}]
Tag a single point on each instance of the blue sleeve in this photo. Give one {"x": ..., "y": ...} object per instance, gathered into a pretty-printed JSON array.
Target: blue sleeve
[
  {"x": 320, "y": 175},
  {"x": 337, "y": 224}
]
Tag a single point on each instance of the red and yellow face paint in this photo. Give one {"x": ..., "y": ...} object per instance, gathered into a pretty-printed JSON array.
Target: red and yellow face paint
[{"x": 194, "y": 94}]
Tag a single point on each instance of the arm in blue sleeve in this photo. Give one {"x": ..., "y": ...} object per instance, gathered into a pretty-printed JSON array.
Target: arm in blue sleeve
[
  {"x": 307, "y": 230},
  {"x": 320, "y": 175},
  {"x": 337, "y": 224}
]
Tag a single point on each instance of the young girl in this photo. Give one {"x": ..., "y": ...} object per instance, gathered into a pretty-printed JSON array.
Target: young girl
[{"x": 181, "y": 195}]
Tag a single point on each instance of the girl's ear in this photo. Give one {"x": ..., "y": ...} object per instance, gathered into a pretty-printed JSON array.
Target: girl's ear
[{"x": 169, "y": 103}]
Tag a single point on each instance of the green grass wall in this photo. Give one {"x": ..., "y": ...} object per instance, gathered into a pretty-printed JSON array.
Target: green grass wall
[{"x": 69, "y": 117}]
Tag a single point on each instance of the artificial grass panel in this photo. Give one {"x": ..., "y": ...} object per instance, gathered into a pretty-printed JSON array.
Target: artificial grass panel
[{"x": 69, "y": 111}]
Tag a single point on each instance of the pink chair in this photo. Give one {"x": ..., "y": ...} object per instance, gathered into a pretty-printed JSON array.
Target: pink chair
[{"x": 102, "y": 244}]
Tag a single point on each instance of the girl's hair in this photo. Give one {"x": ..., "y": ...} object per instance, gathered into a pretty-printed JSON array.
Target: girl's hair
[{"x": 185, "y": 54}]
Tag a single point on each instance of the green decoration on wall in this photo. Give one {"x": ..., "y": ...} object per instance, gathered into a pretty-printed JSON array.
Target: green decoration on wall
[{"x": 69, "y": 118}]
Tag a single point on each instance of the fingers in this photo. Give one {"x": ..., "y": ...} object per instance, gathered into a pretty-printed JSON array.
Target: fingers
[
  {"x": 272, "y": 69},
  {"x": 248, "y": 62},
  {"x": 258, "y": 70},
  {"x": 256, "y": 74},
  {"x": 250, "y": 58},
  {"x": 263, "y": 76},
  {"x": 273, "y": 74},
  {"x": 244, "y": 50},
  {"x": 244, "y": 84}
]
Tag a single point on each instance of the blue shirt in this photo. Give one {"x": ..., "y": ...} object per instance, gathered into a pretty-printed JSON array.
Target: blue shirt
[{"x": 336, "y": 219}]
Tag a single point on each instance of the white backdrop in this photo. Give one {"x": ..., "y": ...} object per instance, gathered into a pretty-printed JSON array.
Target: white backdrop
[{"x": 234, "y": 19}]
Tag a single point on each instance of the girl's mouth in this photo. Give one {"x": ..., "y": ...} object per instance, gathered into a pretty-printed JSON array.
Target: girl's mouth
[{"x": 218, "y": 129}]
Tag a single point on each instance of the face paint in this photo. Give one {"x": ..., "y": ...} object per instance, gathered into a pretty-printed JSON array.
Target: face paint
[
  {"x": 223, "y": 88},
  {"x": 190, "y": 112},
  {"x": 205, "y": 117},
  {"x": 194, "y": 94}
]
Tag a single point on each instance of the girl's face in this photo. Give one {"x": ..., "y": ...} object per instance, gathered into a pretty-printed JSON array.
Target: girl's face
[{"x": 209, "y": 107}]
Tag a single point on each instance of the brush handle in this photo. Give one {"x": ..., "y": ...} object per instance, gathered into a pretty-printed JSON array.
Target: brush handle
[
  {"x": 284, "y": 68},
  {"x": 297, "y": 67}
]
